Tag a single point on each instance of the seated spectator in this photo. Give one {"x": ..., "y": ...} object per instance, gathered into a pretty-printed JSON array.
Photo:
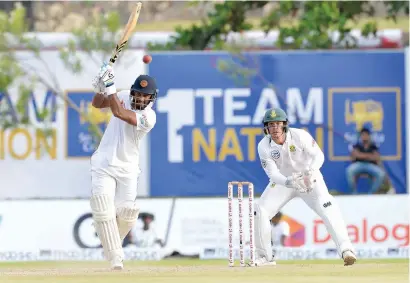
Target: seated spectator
[
  {"x": 280, "y": 231},
  {"x": 143, "y": 234},
  {"x": 366, "y": 159}
]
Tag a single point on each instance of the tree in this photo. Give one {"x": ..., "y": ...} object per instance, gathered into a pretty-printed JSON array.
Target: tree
[
  {"x": 306, "y": 24},
  {"x": 97, "y": 41}
]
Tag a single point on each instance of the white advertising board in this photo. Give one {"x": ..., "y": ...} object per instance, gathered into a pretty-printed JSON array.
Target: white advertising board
[
  {"x": 139, "y": 254},
  {"x": 372, "y": 221},
  {"x": 378, "y": 227},
  {"x": 140, "y": 39},
  {"x": 312, "y": 253},
  {"x": 33, "y": 168},
  {"x": 63, "y": 225}
]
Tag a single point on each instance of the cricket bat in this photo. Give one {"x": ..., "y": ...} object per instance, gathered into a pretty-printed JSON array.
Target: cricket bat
[{"x": 129, "y": 28}]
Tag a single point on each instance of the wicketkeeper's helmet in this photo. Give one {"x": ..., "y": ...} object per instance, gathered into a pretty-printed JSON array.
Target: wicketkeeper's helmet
[{"x": 275, "y": 115}]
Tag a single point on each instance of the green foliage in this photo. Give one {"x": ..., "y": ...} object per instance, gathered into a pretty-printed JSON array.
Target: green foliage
[
  {"x": 8, "y": 71},
  {"x": 306, "y": 24},
  {"x": 226, "y": 17},
  {"x": 239, "y": 67},
  {"x": 98, "y": 39},
  {"x": 13, "y": 30},
  {"x": 69, "y": 56},
  {"x": 395, "y": 7}
]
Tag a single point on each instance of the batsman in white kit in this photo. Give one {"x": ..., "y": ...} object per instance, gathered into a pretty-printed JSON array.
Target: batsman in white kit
[
  {"x": 115, "y": 163},
  {"x": 292, "y": 160}
]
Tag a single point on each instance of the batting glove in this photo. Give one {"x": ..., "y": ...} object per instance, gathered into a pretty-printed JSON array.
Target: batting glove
[
  {"x": 107, "y": 76},
  {"x": 98, "y": 85}
]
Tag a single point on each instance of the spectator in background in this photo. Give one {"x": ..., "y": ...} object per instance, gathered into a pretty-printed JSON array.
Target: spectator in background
[
  {"x": 143, "y": 235},
  {"x": 280, "y": 230},
  {"x": 366, "y": 160}
]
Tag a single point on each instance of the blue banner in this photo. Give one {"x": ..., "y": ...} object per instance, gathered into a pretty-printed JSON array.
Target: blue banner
[
  {"x": 81, "y": 134},
  {"x": 211, "y": 105}
]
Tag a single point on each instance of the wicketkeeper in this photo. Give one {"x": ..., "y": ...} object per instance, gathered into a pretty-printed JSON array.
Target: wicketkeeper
[{"x": 292, "y": 160}]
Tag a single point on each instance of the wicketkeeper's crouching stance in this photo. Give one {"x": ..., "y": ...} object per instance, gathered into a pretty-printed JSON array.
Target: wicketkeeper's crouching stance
[
  {"x": 115, "y": 163},
  {"x": 292, "y": 160}
]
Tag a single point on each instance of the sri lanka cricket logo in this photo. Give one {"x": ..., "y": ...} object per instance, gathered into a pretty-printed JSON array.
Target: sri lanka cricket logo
[
  {"x": 143, "y": 83},
  {"x": 364, "y": 111}
]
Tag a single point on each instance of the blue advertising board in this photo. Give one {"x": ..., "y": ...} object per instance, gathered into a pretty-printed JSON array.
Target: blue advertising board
[
  {"x": 211, "y": 104},
  {"x": 81, "y": 135}
]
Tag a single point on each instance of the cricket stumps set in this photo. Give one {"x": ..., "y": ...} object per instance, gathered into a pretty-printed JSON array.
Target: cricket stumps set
[{"x": 240, "y": 214}]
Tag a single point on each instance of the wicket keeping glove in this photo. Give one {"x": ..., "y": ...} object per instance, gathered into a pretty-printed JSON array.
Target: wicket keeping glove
[
  {"x": 107, "y": 76},
  {"x": 293, "y": 181},
  {"x": 299, "y": 182},
  {"x": 309, "y": 179}
]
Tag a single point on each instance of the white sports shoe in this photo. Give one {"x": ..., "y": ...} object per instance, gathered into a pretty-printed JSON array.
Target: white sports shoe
[
  {"x": 116, "y": 263},
  {"x": 262, "y": 261},
  {"x": 348, "y": 257}
]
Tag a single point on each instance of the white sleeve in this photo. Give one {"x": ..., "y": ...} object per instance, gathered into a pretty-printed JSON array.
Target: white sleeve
[
  {"x": 270, "y": 167},
  {"x": 312, "y": 149},
  {"x": 285, "y": 229},
  {"x": 146, "y": 121},
  {"x": 272, "y": 233}
]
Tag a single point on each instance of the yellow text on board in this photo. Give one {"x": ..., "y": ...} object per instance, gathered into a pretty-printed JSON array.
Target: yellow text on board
[
  {"x": 37, "y": 141},
  {"x": 20, "y": 143},
  {"x": 205, "y": 144}
]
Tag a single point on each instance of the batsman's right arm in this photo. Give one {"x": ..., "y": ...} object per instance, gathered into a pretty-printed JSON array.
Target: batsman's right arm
[
  {"x": 120, "y": 112},
  {"x": 100, "y": 100}
]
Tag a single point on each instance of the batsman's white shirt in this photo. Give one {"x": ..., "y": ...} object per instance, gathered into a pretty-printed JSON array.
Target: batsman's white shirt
[
  {"x": 119, "y": 149},
  {"x": 299, "y": 153}
]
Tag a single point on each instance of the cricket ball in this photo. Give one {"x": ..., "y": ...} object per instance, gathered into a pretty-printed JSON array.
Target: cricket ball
[{"x": 147, "y": 59}]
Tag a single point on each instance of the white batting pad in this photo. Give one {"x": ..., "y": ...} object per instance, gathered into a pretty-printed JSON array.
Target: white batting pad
[
  {"x": 329, "y": 212},
  {"x": 102, "y": 207},
  {"x": 126, "y": 218},
  {"x": 262, "y": 233}
]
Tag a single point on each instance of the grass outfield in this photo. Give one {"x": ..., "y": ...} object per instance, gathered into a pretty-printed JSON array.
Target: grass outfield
[{"x": 215, "y": 271}]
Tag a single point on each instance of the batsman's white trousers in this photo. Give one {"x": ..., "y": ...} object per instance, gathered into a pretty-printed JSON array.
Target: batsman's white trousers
[
  {"x": 121, "y": 188},
  {"x": 319, "y": 200}
]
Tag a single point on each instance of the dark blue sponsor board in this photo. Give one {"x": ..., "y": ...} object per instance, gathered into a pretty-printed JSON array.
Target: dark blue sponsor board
[{"x": 210, "y": 109}]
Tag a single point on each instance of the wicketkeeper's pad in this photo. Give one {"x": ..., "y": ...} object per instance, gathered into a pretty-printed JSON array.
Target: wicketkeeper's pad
[{"x": 262, "y": 233}]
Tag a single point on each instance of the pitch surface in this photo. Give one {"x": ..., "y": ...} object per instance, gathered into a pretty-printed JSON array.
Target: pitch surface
[{"x": 196, "y": 271}]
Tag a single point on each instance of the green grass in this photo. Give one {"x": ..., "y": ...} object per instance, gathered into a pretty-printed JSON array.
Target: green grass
[
  {"x": 215, "y": 271},
  {"x": 402, "y": 23},
  {"x": 183, "y": 262}
]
